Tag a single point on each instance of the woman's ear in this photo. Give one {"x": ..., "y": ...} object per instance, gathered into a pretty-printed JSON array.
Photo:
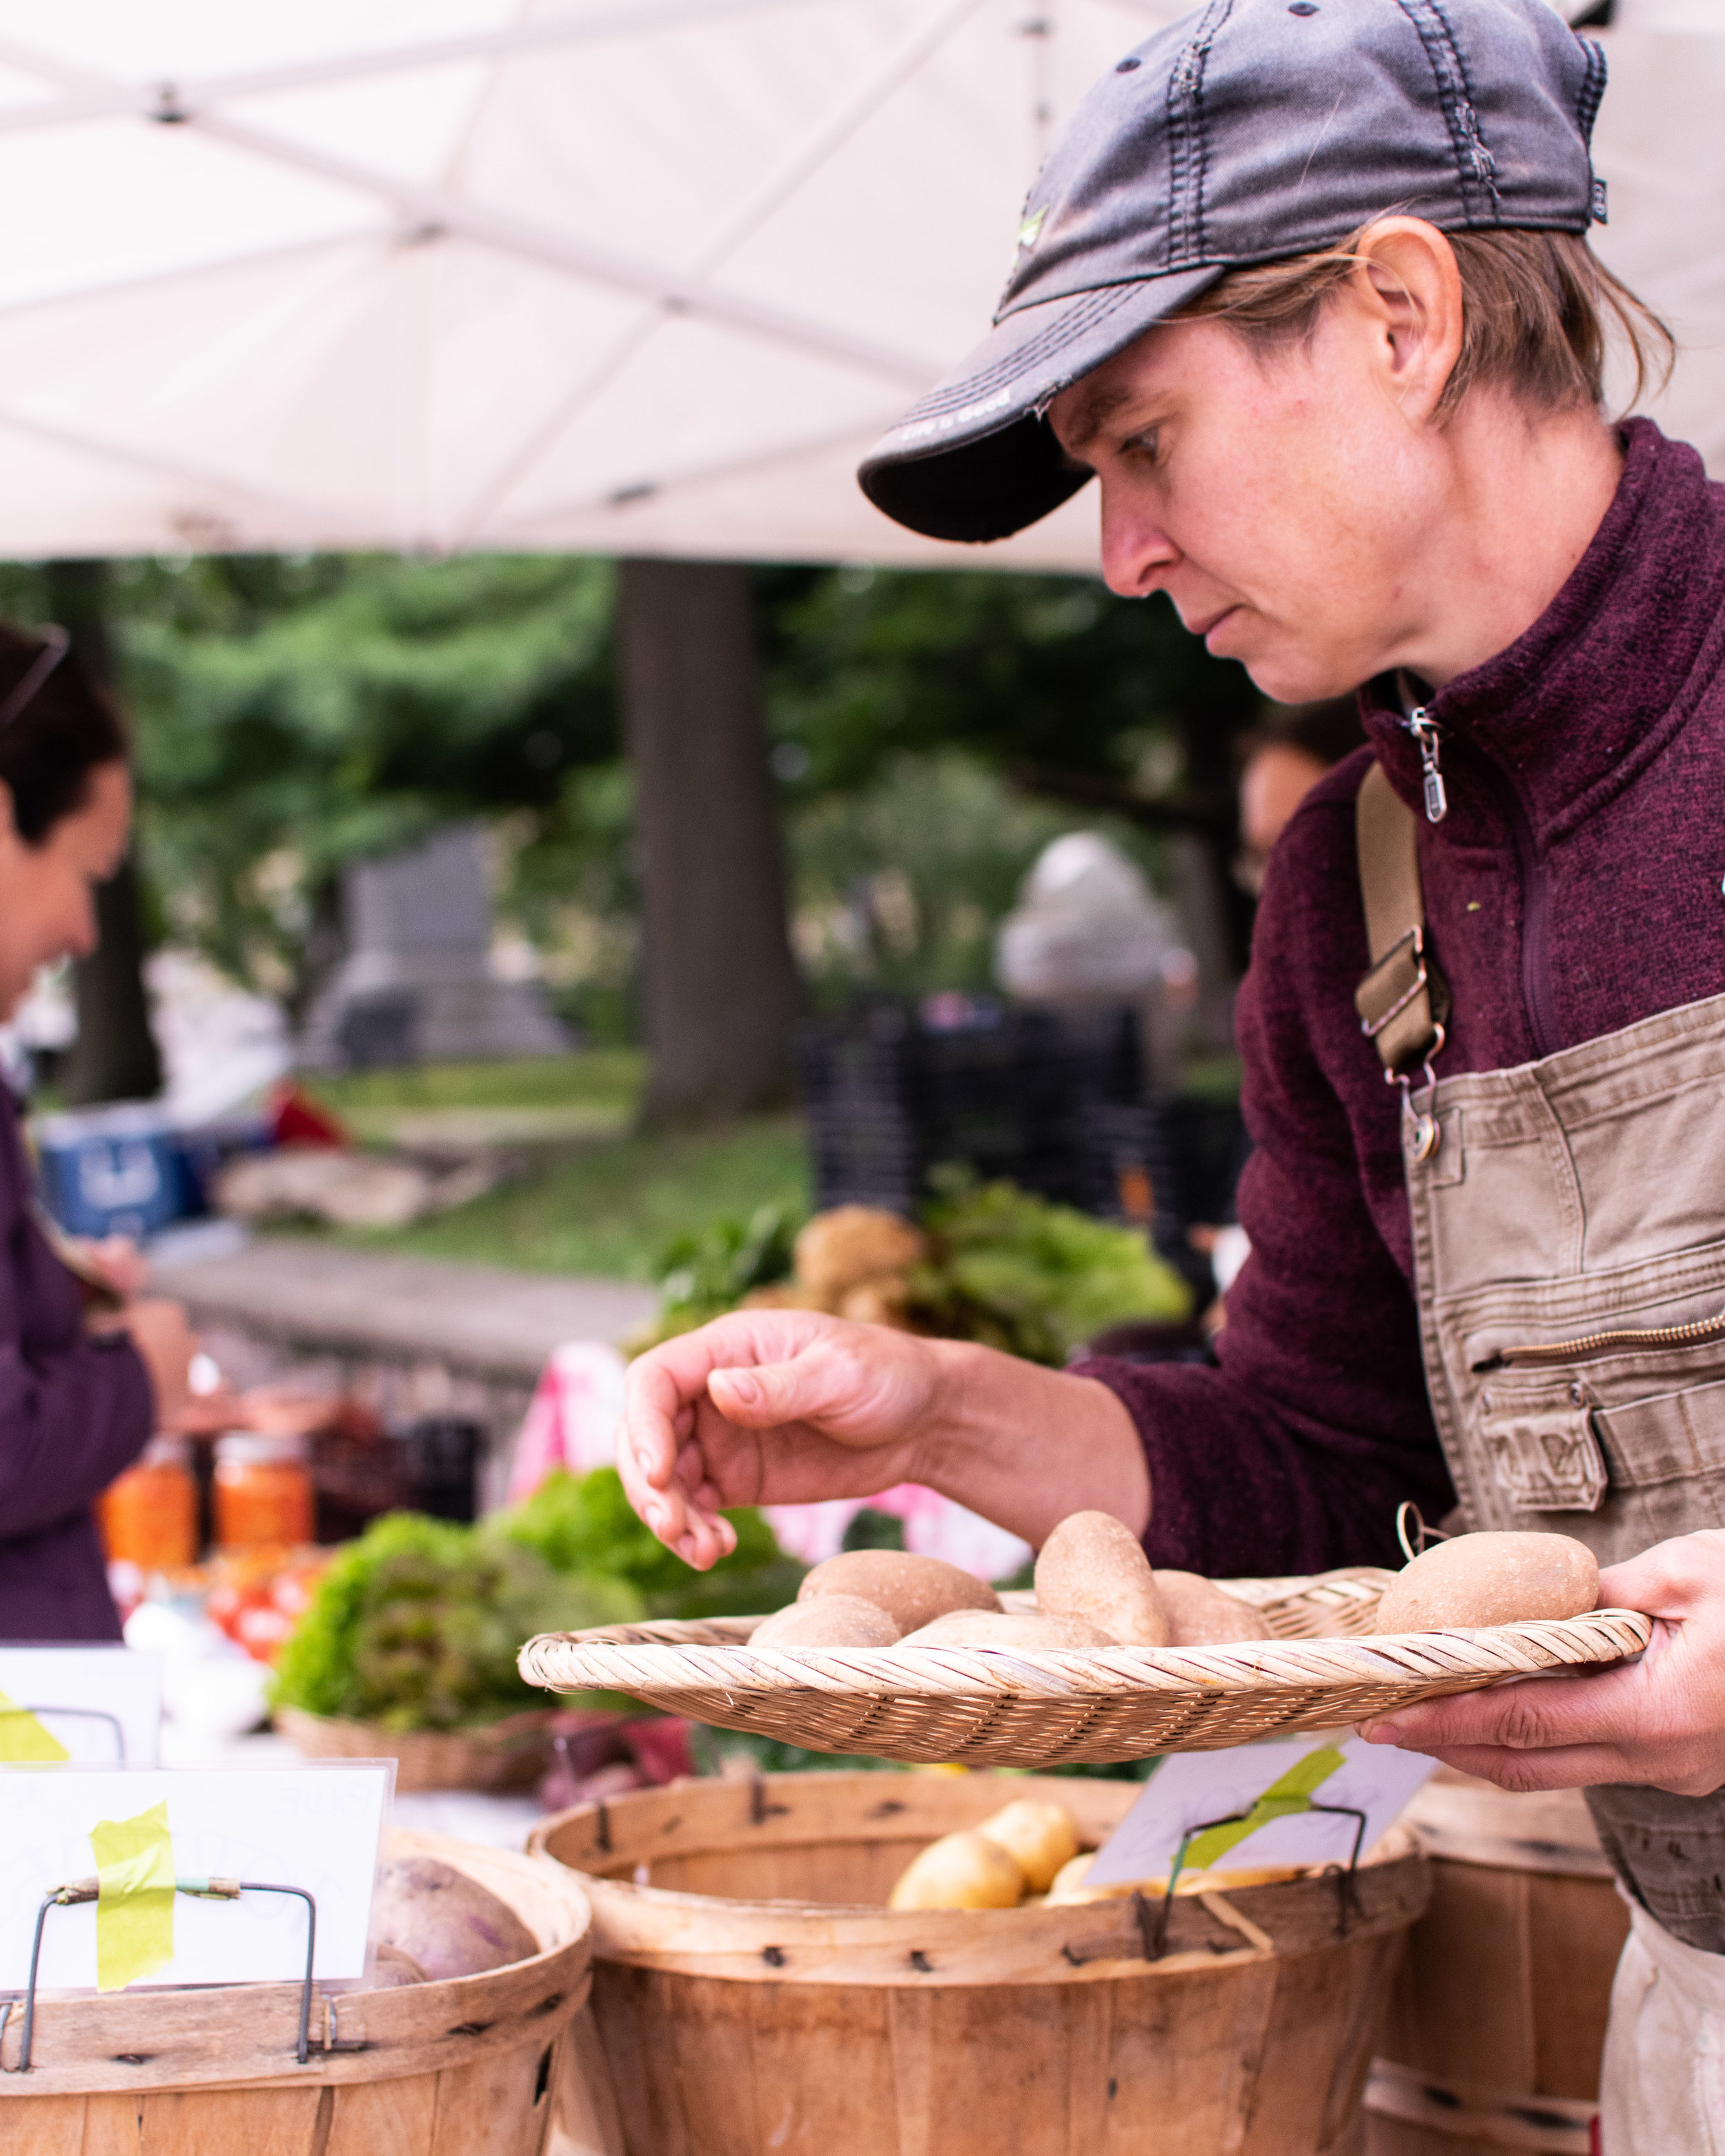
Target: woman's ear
[
  {"x": 1407, "y": 287},
  {"x": 8, "y": 822}
]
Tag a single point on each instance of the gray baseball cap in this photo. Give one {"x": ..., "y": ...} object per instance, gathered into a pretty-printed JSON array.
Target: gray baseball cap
[{"x": 1250, "y": 130}]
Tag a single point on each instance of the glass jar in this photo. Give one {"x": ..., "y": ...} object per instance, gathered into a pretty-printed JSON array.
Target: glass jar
[
  {"x": 263, "y": 1491},
  {"x": 148, "y": 1516}
]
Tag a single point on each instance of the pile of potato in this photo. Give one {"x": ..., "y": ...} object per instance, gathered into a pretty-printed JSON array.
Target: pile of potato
[
  {"x": 850, "y": 1262},
  {"x": 1028, "y": 1854},
  {"x": 1020, "y": 1850},
  {"x": 1094, "y": 1589}
]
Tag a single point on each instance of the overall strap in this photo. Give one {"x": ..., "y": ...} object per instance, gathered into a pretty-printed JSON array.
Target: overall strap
[{"x": 1404, "y": 1001}]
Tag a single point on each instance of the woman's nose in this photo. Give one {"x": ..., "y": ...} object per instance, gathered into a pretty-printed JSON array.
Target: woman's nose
[{"x": 1136, "y": 552}]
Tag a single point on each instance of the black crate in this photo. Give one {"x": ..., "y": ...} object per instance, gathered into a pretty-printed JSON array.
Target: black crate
[{"x": 890, "y": 1100}]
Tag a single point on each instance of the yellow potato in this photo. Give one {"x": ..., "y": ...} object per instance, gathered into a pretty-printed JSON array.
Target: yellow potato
[
  {"x": 835, "y": 1620},
  {"x": 840, "y": 1249},
  {"x": 1201, "y": 1615},
  {"x": 983, "y": 1628},
  {"x": 883, "y": 1301},
  {"x": 959, "y": 1872},
  {"x": 1491, "y": 1578},
  {"x": 1040, "y": 1837},
  {"x": 912, "y": 1590},
  {"x": 1093, "y": 1567},
  {"x": 1068, "y": 1882}
]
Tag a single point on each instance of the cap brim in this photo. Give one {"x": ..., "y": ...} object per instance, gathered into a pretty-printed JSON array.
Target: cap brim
[{"x": 974, "y": 458}]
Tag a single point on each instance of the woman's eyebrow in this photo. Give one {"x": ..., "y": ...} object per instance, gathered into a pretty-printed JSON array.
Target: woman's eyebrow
[{"x": 1095, "y": 410}]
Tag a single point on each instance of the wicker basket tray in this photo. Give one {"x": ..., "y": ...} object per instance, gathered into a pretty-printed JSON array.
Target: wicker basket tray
[
  {"x": 494, "y": 1757},
  {"x": 1009, "y": 1707}
]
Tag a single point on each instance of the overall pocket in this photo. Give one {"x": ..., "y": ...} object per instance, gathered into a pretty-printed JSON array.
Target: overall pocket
[{"x": 1616, "y": 1407}]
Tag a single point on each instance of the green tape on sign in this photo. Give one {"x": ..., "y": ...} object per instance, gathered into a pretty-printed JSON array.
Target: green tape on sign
[
  {"x": 135, "y": 1908},
  {"x": 23, "y": 1739},
  {"x": 1291, "y": 1793}
]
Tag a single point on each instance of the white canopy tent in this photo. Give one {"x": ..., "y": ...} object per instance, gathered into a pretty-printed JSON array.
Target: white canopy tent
[{"x": 609, "y": 275}]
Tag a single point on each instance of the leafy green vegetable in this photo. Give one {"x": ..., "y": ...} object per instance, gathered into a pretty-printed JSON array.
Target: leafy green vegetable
[
  {"x": 702, "y": 1277},
  {"x": 1035, "y": 1278},
  {"x": 417, "y": 1624},
  {"x": 585, "y": 1524}
]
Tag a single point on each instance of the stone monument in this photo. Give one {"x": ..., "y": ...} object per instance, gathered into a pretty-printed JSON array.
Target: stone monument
[{"x": 417, "y": 984}]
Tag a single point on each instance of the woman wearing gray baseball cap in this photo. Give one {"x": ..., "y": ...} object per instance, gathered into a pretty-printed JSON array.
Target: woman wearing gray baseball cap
[{"x": 1306, "y": 286}]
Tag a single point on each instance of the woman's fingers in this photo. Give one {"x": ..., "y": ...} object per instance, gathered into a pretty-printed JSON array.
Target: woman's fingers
[{"x": 1543, "y": 1714}]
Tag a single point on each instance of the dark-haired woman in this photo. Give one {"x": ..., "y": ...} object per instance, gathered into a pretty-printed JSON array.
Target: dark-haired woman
[{"x": 77, "y": 1406}]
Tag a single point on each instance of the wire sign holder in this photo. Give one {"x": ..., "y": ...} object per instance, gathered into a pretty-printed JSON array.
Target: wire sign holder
[
  {"x": 74, "y": 1714},
  {"x": 203, "y": 1890}
]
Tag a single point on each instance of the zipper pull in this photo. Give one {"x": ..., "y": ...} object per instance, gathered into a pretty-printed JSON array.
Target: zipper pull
[{"x": 1424, "y": 730}]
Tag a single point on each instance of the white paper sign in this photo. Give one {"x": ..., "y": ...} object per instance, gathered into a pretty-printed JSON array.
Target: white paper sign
[
  {"x": 1188, "y": 1789},
  {"x": 315, "y": 1827},
  {"x": 104, "y": 1704}
]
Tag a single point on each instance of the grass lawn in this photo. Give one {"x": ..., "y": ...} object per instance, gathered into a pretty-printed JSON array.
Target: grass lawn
[{"x": 608, "y": 1206}]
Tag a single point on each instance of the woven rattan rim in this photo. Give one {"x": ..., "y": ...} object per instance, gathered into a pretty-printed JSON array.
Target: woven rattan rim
[{"x": 989, "y": 1706}]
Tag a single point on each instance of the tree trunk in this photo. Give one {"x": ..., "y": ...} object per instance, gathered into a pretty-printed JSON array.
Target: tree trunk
[
  {"x": 114, "y": 1056},
  {"x": 721, "y": 988}
]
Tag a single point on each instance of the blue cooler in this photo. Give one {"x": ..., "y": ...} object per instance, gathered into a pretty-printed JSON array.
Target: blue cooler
[{"x": 113, "y": 1171}]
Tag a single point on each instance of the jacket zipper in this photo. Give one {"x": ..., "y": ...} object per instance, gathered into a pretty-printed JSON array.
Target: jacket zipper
[
  {"x": 1536, "y": 911},
  {"x": 1601, "y": 1343},
  {"x": 1536, "y": 924}
]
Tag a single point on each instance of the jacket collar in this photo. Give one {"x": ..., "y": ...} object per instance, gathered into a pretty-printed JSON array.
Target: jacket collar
[{"x": 1580, "y": 702}]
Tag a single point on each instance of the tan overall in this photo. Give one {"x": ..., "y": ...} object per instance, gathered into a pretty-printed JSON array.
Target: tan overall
[{"x": 1570, "y": 1247}]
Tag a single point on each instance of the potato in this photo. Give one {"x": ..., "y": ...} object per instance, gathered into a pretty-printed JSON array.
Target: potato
[
  {"x": 1093, "y": 1566},
  {"x": 912, "y": 1590},
  {"x": 883, "y": 1301},
  {"x": 785, "y": 1295},
  {"x": 1491, "y": 1578},
  {"x": 1199, "y": 1613},
  {"x": 448, "y": 1923},
  {"x": 393, "y": 1968},
  {"x": 1069, "y": 1880},
  {"x": 959, "y": 1872},
  {"x": 1070, "y": 1885},
  {"x": 840, "y": 1249},
  {"x": 982, "y": 1628},
  {"x": 1040, "y": 1837},
  {"x": 830, "y": 1620}
]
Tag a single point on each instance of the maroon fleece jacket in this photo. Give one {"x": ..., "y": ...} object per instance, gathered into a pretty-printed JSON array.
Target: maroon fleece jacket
[
  {"x": 73, "y": 1413},
  {"x": 1574, "y": 889}
]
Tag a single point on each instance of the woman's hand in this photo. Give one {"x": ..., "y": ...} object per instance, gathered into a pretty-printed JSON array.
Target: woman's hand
[
  {"x": 769, "y": 1407},
  {"x": 117, "y": 1262},
  {"x": 1659, "y": 1720},
  {"x": 786, "y": 1407},
  {"x": 160, "y": 1333}
]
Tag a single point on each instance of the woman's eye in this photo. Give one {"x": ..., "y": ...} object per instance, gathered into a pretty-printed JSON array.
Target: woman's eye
[{"x": 1144, "y": 445}]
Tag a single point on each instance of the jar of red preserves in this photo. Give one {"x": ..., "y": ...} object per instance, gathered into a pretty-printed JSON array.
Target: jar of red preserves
[
  {"x": 263, "y": 1491},
  {"x": 148, "y": 1516}
]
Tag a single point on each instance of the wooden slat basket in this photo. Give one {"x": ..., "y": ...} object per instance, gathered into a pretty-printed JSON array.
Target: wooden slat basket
[
  {"x": 503, "y": 2064},
  {"x": 494, "y": 1757},
  {"x": 1016, "y": 1707},
  {"x": 1496, "y": 2024},
  {"x": 755, "y": 1998}
]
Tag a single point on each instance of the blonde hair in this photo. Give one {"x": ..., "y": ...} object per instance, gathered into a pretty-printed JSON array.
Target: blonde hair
[{"x": 1536, "y": 311}]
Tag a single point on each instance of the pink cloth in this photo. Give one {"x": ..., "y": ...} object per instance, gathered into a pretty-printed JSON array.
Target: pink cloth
[{"x": 572, "y": 1422}]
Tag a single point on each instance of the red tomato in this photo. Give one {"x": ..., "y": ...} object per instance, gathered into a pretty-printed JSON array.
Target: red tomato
[{"x": 262, "y": 1632}]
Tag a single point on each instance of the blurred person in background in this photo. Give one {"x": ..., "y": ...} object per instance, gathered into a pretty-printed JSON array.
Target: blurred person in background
[
  {"x": 87, "y": 1372},
  {"x": 1280, "y": 760}
]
